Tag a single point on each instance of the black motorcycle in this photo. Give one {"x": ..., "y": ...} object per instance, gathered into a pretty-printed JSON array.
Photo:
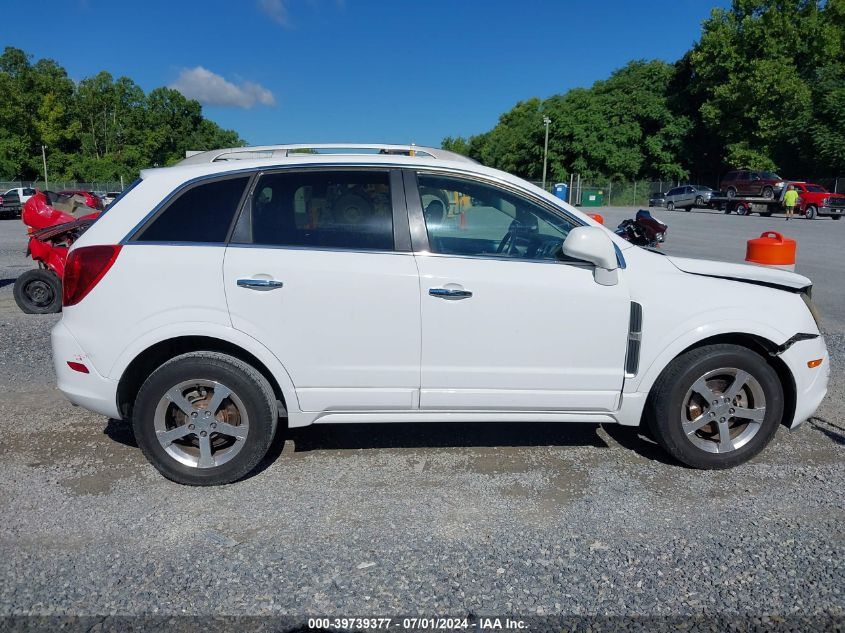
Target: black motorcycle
[{"x": 643, "y": 230}]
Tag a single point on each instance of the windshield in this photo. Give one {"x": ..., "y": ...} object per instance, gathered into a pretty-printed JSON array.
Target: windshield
[
  {"x": 770, "y": 175},
  {"x": 816, "y": 189}
]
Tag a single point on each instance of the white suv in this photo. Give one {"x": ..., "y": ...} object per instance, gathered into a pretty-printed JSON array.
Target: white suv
[{"x": 411, "y": 284}]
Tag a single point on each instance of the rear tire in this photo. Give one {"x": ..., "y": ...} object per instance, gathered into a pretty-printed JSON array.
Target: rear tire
[
  {"x": 38, "y": 291},
  {"x": 189, "y": 445},
  {"x": 676, "y": 406},
  {"x": 731, "y": 192}
]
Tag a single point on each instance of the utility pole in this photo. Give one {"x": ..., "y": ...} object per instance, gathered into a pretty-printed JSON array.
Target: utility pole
[
  {"x": 44, "y": 158},
  {"x": 546, "y": 121}
]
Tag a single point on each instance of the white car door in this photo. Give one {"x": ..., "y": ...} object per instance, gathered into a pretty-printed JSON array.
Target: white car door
[
  {"x": 507, "y": 325},
  {"x": 315, "y": 271}
]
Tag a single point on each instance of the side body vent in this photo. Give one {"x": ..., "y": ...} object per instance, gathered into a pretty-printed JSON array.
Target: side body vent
[{"x": 635, "y": 335}]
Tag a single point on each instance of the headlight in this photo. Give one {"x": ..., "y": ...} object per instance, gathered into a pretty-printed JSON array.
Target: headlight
[
  {"x": 660, "y": 237},
  {"x": 806, "y": 295}
]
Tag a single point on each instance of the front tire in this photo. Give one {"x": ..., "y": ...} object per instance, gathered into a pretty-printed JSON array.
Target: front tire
[
  {"x": 716, "y": 406},
  {"x": 699, "y": 202},
  {"x": 38, "y": 291},
  {"x": 670, "y": 206},
  {"x": 768, "y": 193},
  {"x": 810, "y": 212},
  {"x": 205, "y": 418}
]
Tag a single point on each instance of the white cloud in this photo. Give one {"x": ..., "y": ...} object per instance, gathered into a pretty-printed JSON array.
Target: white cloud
[
  {"x": 276, "y": 10},
  {"x": 210, "y": 88}
]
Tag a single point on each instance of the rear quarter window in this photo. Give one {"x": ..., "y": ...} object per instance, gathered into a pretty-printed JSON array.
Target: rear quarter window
[{"x": 203, "y": 213}]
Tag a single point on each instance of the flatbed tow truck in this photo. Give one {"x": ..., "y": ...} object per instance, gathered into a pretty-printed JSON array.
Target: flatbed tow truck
[{"x": 745, "y": 205}]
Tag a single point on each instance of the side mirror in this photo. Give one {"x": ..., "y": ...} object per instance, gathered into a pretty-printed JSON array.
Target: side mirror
[{"x": 592, "y": 244}]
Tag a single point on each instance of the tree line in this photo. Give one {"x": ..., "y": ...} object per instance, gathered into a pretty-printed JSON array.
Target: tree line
[
  {"x": 763, "y": 88},
  {"x": 99, "y": 129}
]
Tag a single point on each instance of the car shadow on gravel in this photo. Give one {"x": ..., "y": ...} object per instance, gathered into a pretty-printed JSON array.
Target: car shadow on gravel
[
  {"x": 442, "y": 435},
  {"x": 6, "y": 282},
  {"x": 636, "y": 440},
  {"x": 433, "y": 435},
  {"x": 121, "y": 432},
  {"x": 833, "y": 431}
]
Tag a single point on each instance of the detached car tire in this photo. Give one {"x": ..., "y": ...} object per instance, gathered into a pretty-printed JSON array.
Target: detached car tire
[
  {"x": 205, "y": 418},
  {"x": 716, "y": 406},
  {"x": 38, "y": 291}
]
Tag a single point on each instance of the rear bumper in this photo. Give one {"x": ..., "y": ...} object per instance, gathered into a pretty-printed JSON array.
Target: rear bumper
[
  {"x": 810, "y": 383},
  {"x": 91, "y": 391}
]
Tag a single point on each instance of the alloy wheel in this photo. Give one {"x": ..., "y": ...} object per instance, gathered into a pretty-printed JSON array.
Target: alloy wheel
[
  {"x": 201, "y": 423},
  {"x": 723, "y": 410}
]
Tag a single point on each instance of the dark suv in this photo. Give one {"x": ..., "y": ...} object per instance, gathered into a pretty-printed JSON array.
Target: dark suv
[{"x": 751, "y": 183}]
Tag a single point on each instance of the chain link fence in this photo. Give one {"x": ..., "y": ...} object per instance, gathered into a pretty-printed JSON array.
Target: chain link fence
[
  {"x": 635, "y": 193},
  {"x": 62, "y": 185}
]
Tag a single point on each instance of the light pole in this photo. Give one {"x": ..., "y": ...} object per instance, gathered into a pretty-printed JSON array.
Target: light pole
[
  {"x": 44, "y": 158},
  {"x": 546, "y": 121}
]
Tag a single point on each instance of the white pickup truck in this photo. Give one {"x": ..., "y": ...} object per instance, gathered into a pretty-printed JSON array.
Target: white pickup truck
[{"x": 12, "y": 201}]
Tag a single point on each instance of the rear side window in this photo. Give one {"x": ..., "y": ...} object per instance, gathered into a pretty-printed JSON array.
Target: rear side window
[
  {"x": 330, "y": 209},
  {"x": 203, "y": 213}
]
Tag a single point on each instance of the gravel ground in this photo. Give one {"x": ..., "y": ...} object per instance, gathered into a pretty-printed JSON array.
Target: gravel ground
[{"x": 464, "y": 519}]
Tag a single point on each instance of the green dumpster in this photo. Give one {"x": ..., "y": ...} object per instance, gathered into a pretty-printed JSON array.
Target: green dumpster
[{"x": 592, "y": 198}]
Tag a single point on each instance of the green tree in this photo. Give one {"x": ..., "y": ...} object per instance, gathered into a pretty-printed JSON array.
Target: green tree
[
  {"x": 756, "y": 73},
  {"x": 98, "y": 129}
]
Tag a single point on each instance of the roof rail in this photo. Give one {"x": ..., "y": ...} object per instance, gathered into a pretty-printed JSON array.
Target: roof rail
[{"x": 281, "y": 151}]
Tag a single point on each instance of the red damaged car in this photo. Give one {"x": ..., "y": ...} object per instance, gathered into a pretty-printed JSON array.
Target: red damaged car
[
  {"x": 814, "y": 200},
  {"x": 91, "y": 199},
  {"x": 54, "y": 223}
]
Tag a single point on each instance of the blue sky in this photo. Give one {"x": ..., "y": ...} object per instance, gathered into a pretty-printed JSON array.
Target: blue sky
[{"x": 357, "y": 70}]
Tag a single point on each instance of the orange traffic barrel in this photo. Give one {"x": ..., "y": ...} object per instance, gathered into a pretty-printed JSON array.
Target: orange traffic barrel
[
  {"x": 597, "y": 217},
  {"x": 771, "y": 249}
]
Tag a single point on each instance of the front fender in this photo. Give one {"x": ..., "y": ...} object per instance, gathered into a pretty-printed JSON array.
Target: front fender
[{"x": 690, "y": 334}]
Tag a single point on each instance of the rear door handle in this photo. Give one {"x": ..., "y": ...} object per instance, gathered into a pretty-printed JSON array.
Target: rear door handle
[
  {"x": 449, "y": 293},
  {"x": 260, "y": 284}
]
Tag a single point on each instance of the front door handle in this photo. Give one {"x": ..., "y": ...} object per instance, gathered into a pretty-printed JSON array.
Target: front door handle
[
  {"x": 260, "y": 284},
  {"x": 449, "y": 293}
]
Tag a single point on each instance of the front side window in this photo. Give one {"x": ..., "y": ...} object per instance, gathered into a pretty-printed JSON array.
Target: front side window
[
  {"x": 328, "y": 209},
  {"x": 466, "y": 217},
  {"x": 202, "y": 214}
]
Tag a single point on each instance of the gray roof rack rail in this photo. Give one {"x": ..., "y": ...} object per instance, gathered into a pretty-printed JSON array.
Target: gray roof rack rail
[{"x": 280, "y": 151}]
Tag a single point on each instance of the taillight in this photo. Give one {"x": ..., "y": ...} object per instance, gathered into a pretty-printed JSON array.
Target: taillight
[{"x": 85, "y": 267}]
